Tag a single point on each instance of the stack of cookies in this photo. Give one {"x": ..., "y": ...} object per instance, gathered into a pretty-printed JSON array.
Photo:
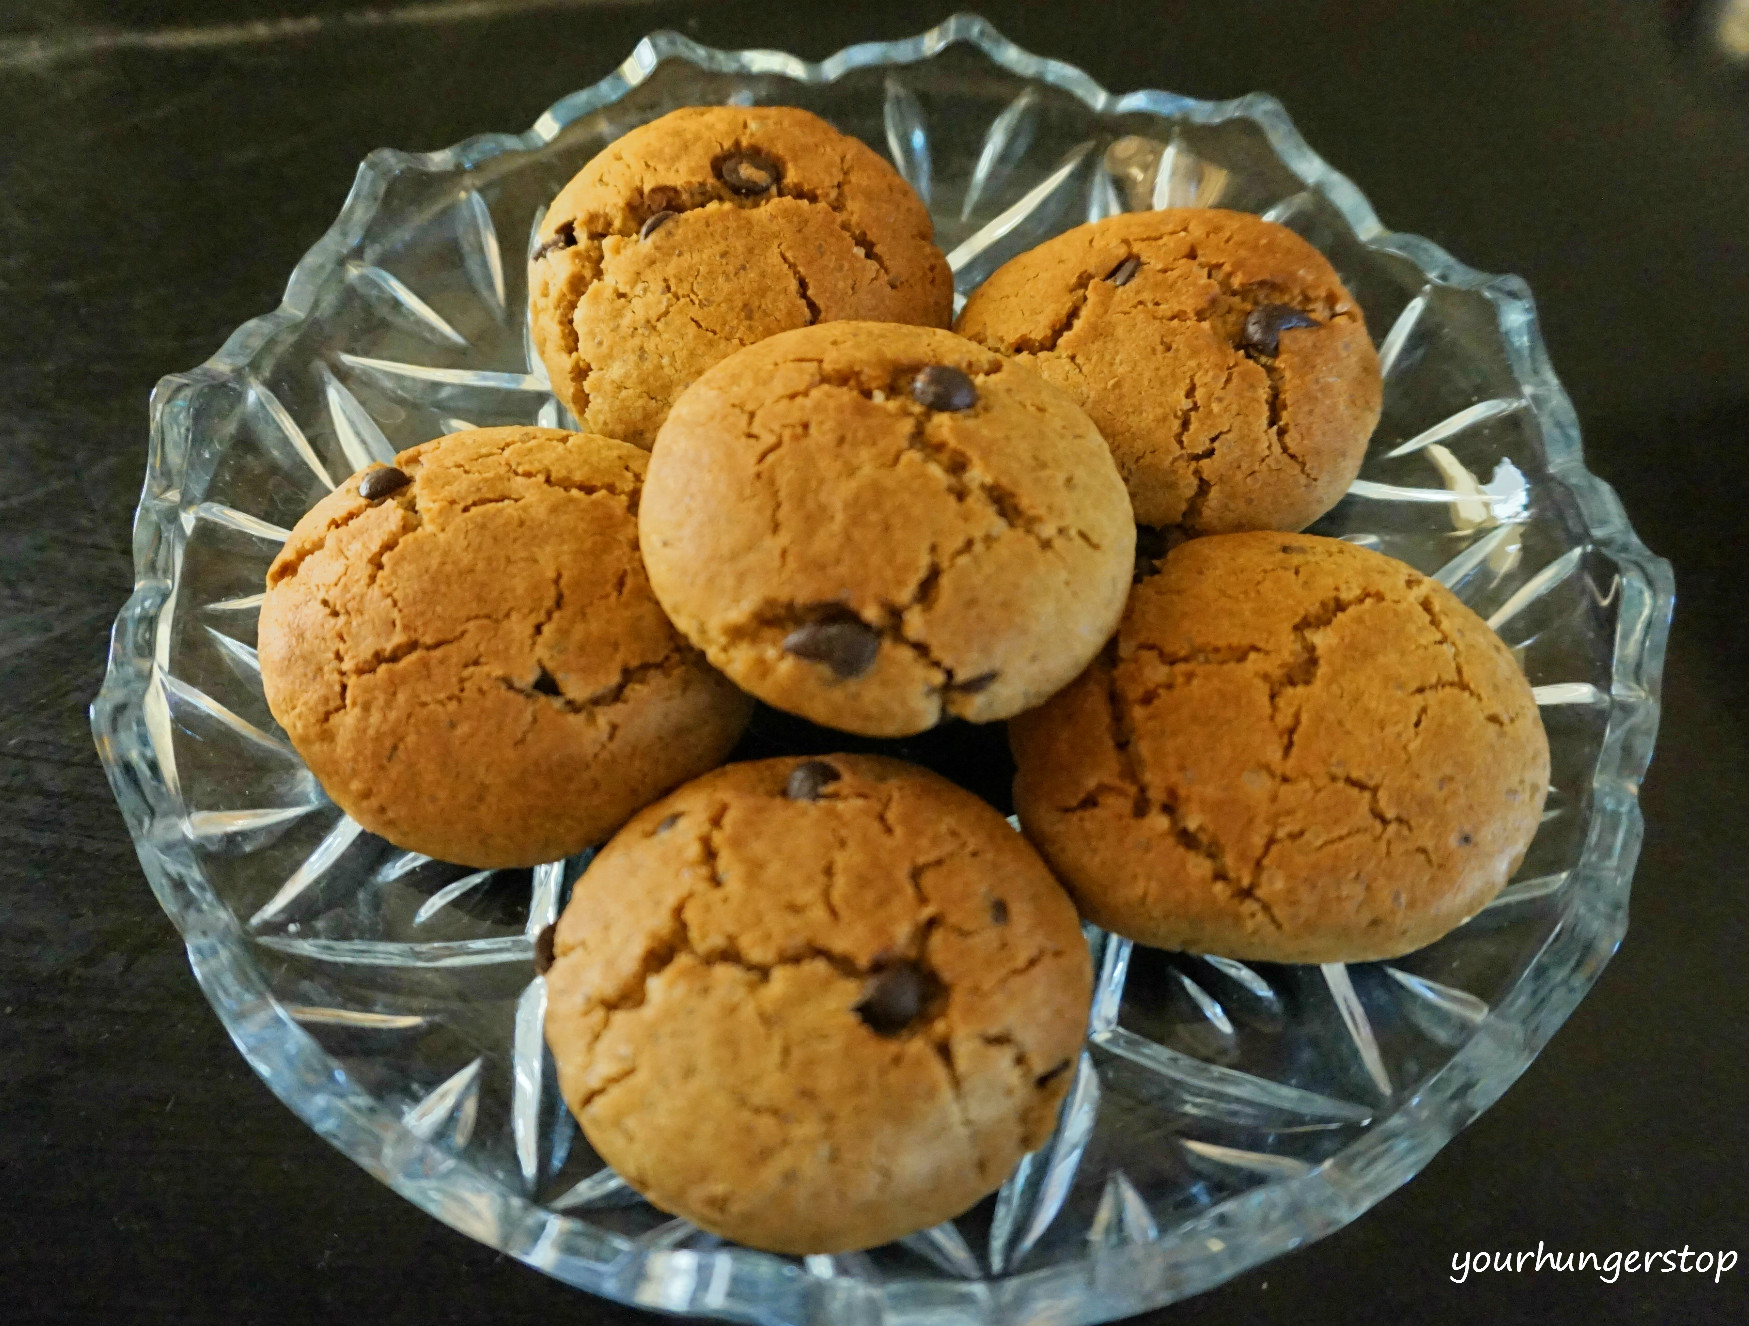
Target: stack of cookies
[{"x": 814, "y": 1004}]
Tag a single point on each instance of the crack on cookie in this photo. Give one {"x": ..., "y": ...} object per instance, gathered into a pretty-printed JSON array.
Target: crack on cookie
[
  {"x": 1078, "y": 292},
  {"x": 1094, "y": 795},
  {"x": 1276, "y": 426},
  {"x": 1247, "y": 295},
  {"x": 378, "y": 659},
  {"x": 945, "y": 675},
  {"x": 614, "y": 692},
  {"x": 963, "y": 475},
  {"x": 708, "y": 845},
  {"x": 288, "y": 563},
  {"x": 1202, "y": 654},
  {"x": 914, "y": 877},
  {"x": 1374, "y": 806},
  {"x": 590, "y": 1097},
  {"x": 883, "y": 815},
  {"x": 1123, "y": 732},
  {"x": 1146, "y": 803},
  {"x": 1174, "y": 661},
  {"x": 1302, "y": 669},
  {"x": 802, "y": 291},
  {"x": 1017, "y": 1051},
  {"x": 1437, "y": 620},
  {"x": 1188, "y": 837},
  {"x": 1186, "y": 417},
  {"x": 840, "y": 844},
  {"x": 604, "y": 698},
  {"x": 744, "y": 1102},
  {"x": 859, "y": 238},
  {"x": 588, "y": 487},
  {"x": 965, "y": 478},
  {"x": 552, "y": 611},
  {"x": 943, "y": 1047},
  {"x": 1027, "y": 965}
]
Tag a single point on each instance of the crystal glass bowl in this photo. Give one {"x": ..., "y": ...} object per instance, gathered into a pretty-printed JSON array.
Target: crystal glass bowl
[{"x": 1222, "y": 1112}]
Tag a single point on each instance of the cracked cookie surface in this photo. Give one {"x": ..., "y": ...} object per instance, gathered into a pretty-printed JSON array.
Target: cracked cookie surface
[
  {"x": 710, "y": 229},
  {"x": 1294, "y": 750},
  {"x": 1181, "y": 332},
  {"x": 473, "y": 664},
  {"x": 813, "y": 1010},
  {"x": 848, "y": 553}
]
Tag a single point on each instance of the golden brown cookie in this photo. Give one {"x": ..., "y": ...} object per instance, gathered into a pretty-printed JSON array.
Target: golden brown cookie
[
  {"x": 710, "y": 229},
  {"x": 877, "y": 526},
  {"x": 1295, "y": 750},
  {"x": 1218, "y": 353},
  {"x": 815, "y": 1004},
  {"x": 465, "y": 650}
]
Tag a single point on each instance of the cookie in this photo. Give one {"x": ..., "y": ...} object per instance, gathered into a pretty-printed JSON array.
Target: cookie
[
  {"x": 465, "y": 650},
  {"x": 877, "y": 526},
  {"x": 707, "y": 230},
  {"x": 813, "y": 1005},
  {"x": 1218, "y": 352},
  {"x": 1295, "y": 750}
]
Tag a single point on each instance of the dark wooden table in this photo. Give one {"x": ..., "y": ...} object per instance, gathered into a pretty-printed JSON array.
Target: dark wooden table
[{"x": 162, "y": 166}]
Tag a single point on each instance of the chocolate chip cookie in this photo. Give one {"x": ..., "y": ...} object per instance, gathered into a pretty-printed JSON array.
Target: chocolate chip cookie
[
  {"x": 814, "y": 1005},
  {"x": 710, "y": 229},
  {"x": 1295, "y": 750},
  {"x": 465, "y": 650},
  {"x": 877, "y": 526},
  {"x": 1218, "y": 352}
]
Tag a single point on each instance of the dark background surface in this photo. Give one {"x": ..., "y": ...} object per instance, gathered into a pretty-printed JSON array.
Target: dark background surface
[{"x": 158, "y": 179}]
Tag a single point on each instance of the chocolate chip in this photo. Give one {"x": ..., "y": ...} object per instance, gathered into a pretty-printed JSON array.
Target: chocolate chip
[
  {"x": 895, "y": 997},
  {"x": 843, "y": 641},
  {"x": 1125, "y": 271},
  {"x": 1464, "y": 839},
  {"x": 653, "y": 224},
  {"x": 543, "y": 950},
  {"x": 998, "y": 911},
  {"x": 546, "y": 684},
  {"x": 1265, "y": 324},
  {"x": 972, "y": 685},
  {"x": 939, "y": 387},
  {"x": 563, "y": 238},
  {"x": 807, "y": 780},
  {"x": 380, "y": 483},
  {"x": 749, "y": 173},
  {"x": 668, "y": 823}
]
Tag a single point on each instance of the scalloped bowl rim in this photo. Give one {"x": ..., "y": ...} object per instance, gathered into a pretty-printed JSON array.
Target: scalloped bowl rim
[{"x": 1275, "y": 1217}]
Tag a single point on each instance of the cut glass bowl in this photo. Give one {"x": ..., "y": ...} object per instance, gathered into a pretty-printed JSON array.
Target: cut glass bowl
[{"x": 1223, "y": 1112}]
